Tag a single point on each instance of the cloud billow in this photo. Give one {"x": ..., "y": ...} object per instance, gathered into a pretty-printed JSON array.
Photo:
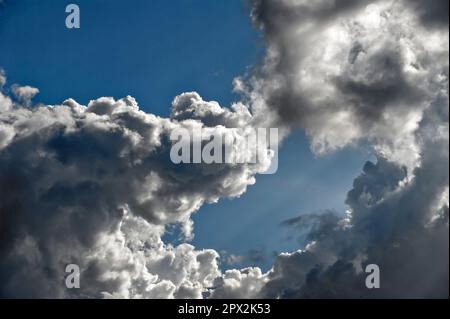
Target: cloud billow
[
  {"x": 72, "y": 176},
  {"x": 346, "y": 72}
]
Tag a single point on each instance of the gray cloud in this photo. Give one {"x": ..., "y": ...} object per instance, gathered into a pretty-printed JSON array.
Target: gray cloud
[
  {"x": 348, "y": 71},
  {"x": 397, "y": 222},
  {"x": 432, "y": 13},
  {"x": 344, "y": 72}
]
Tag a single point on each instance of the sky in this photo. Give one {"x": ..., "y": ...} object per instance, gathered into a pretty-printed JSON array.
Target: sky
[
  {"x": 357, "y": 89},
  {"x": 154, "y": 51}
]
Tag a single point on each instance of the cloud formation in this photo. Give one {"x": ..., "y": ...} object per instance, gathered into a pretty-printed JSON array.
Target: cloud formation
[
  {"x": 351, "y": 71},
  {"x": 94, "y": 185},
  {"x": 346, "y": 71},
  {"x": 71, "y": 174}
]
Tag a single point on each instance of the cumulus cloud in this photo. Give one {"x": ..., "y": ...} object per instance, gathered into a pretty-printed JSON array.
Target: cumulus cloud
[
  {"x": 401, "y": 225},
  {"x": 69, "y": 176},
  {"x": 346, "y": 71}
]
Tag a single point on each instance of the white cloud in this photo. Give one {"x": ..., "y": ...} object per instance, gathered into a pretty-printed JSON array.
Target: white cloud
[
  {"x": 79, "y": 168},
  {"x": 349, "y": 71},
  {"x": 24, "y": 93}
]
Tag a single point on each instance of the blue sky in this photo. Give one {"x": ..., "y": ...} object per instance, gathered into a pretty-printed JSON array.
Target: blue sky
[{"x": 154, "y": 50}]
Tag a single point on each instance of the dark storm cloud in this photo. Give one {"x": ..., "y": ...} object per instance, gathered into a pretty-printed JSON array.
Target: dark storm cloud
[
  {"x": 393, "y": 227},
  {"x": 432, "y": 13}
]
